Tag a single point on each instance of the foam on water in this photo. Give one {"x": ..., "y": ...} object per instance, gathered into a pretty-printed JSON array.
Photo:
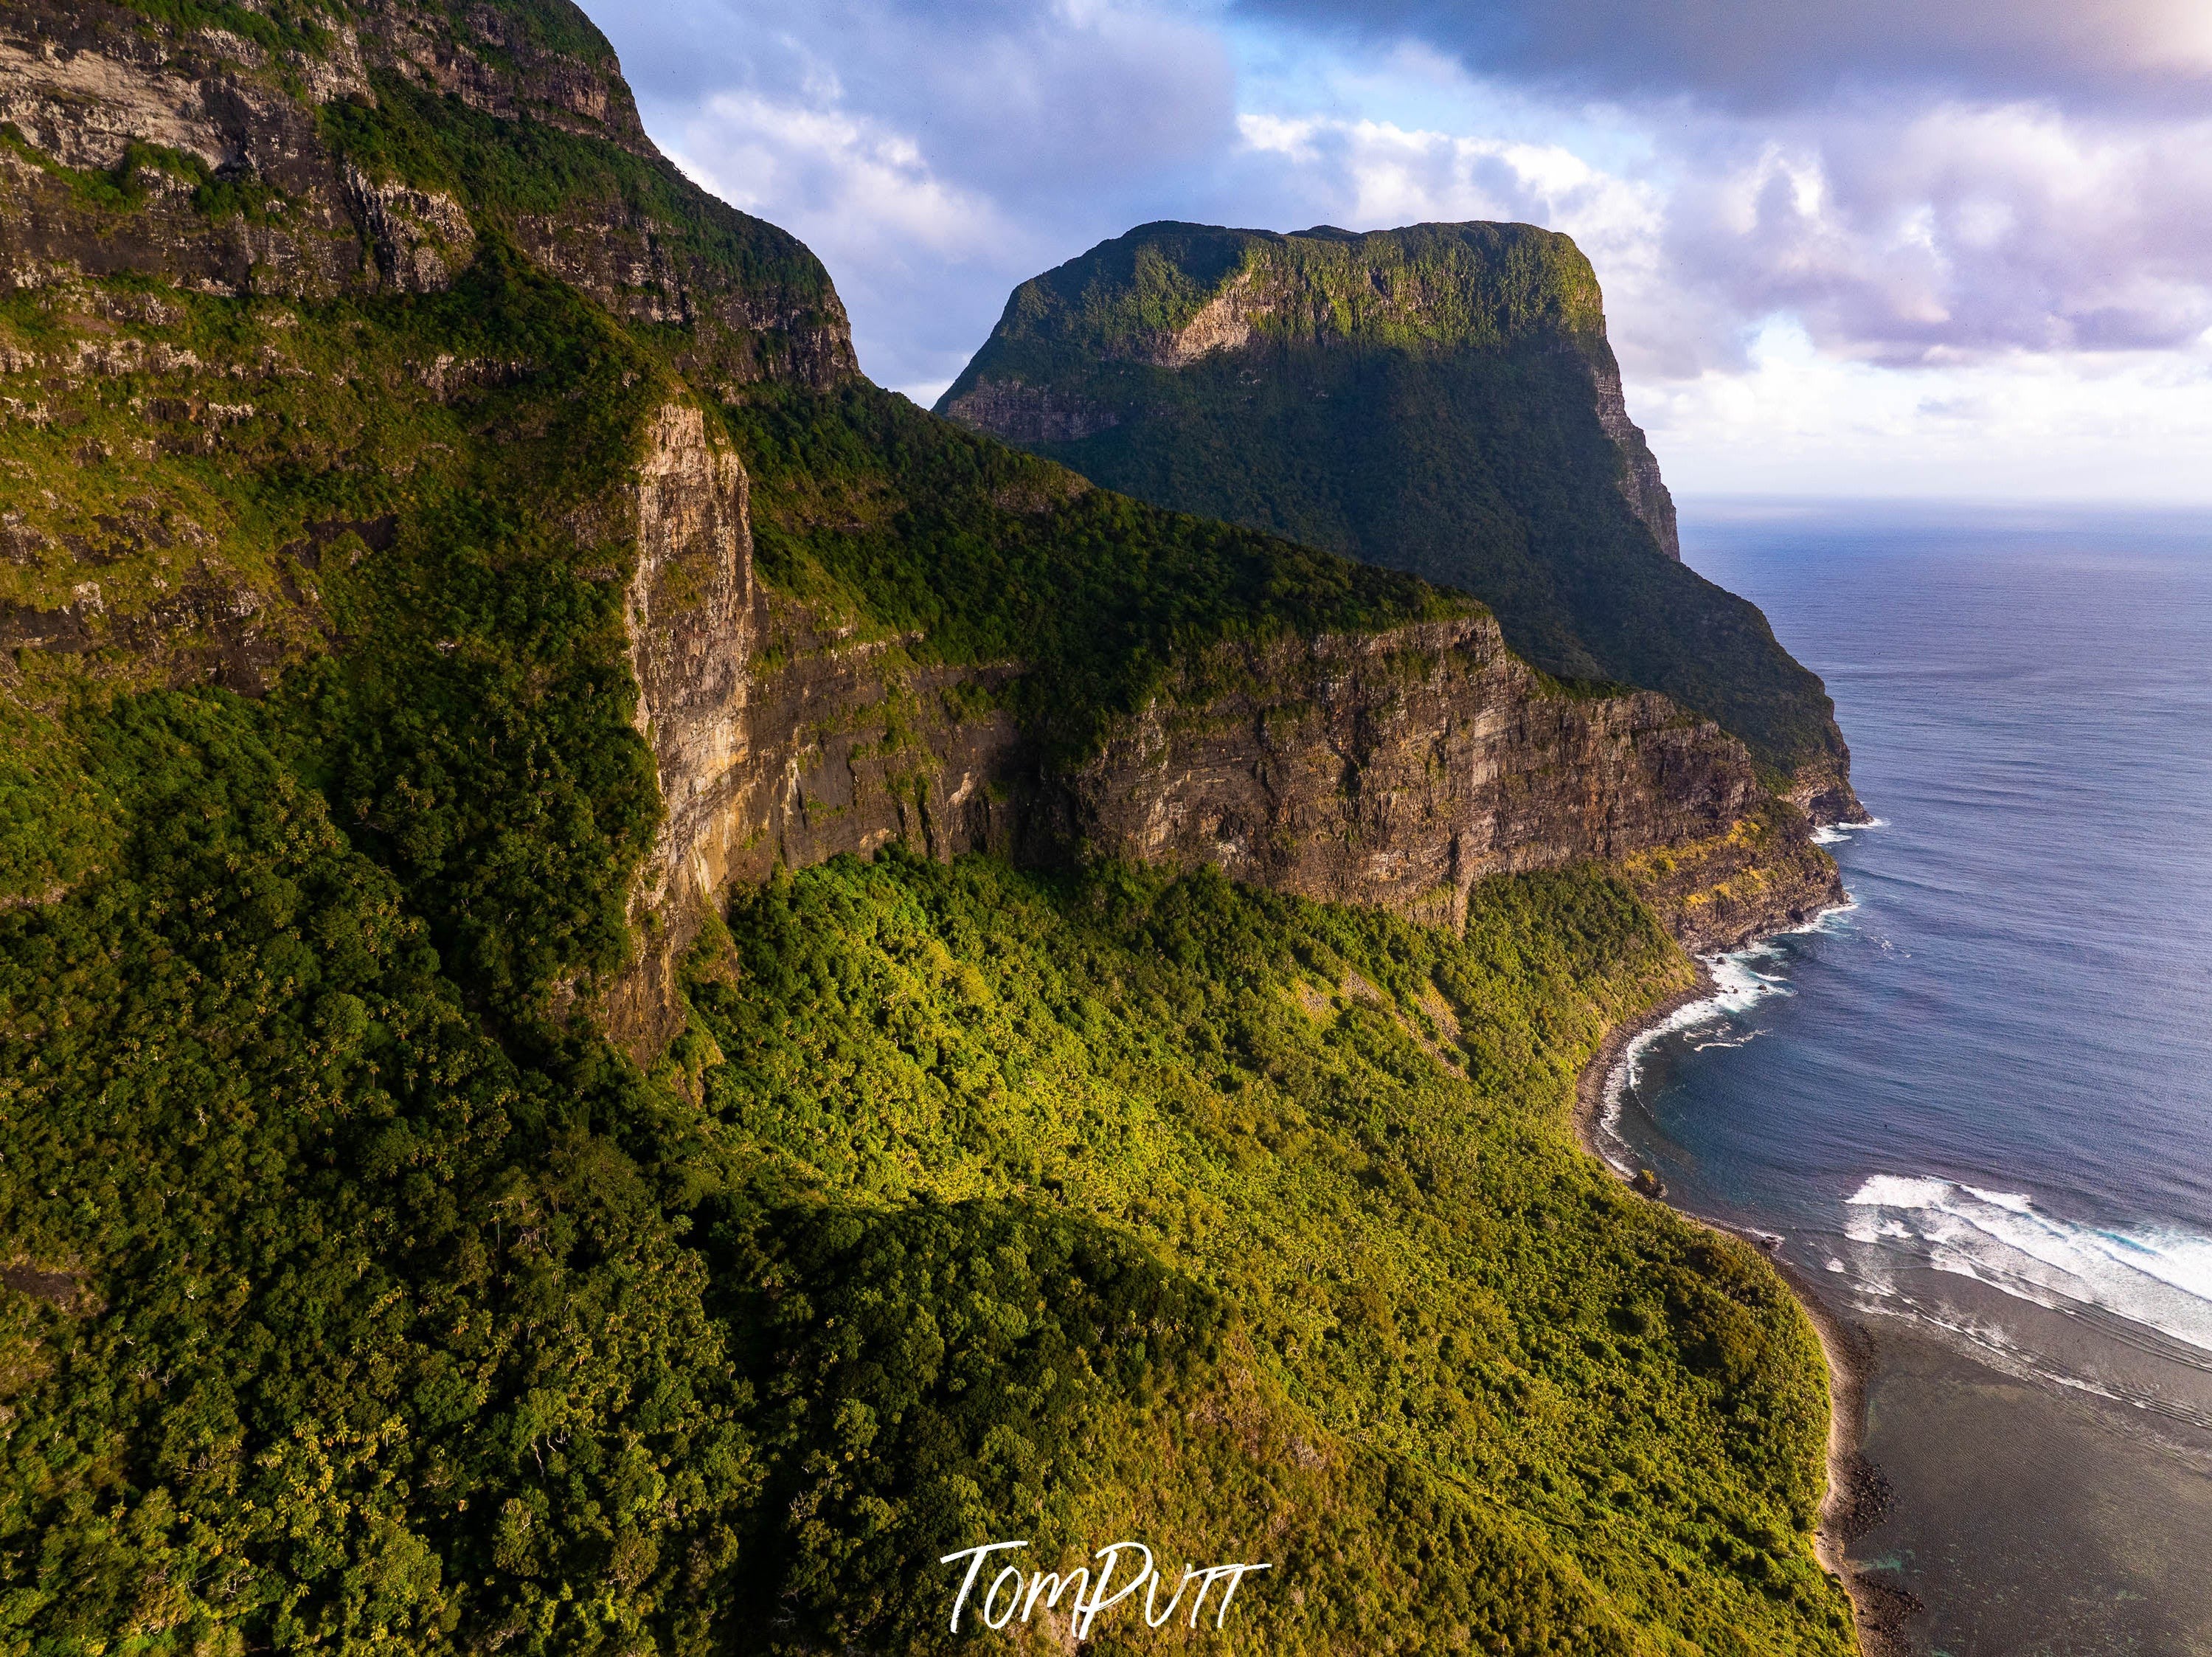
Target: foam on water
[
  {"x": 2158, "y": 1277},
  {"x": 2023, "y": 1007},
  {"x": 1738, "y": 986},
  {"x": 1835, "y": 834}
]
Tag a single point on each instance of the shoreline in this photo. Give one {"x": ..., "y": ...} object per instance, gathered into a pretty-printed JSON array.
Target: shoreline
[{"x": 1856, "y": 1495}]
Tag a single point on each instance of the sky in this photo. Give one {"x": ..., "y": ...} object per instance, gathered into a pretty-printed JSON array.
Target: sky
[{"x": 1888, "y": 248}]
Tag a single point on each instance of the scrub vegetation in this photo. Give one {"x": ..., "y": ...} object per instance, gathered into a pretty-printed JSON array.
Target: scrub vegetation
[
  {"x": 356, "y": 1296},
  {"x": 987, "y": 555}
]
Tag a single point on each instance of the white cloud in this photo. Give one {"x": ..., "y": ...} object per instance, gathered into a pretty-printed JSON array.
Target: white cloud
[
  {"x": 2043, "y": 426},
  {"x": 1917, "y": 297},
  {"x": 846, "y": 185},
  {"x": 1933, "y": 235},
  {"x": 1387, "y": 174},
  {"x": 1367, "y": 174},
  {"x": 1863, "y": 289},
  {"x": 934, "y": 156}
]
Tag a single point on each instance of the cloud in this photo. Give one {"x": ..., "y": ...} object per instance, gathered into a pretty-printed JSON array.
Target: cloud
[
  {"x": 1761, "y": 54},
  {"x": 857, "y": 185},
  {"x": 1363, "y": 173},
  {"x": 1017, "y": 92},
  {"x": 1925, "y": 235},
  {"x": 1380, "y": 173},
  {"x": 934, "y": 156},
  {"x": 2119, "y": 427},
  {"x": 1898, "y": 230},
  {"x": 1902, "y": 231}
]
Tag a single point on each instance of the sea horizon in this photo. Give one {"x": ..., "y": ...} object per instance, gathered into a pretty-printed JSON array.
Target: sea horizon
[{"x": 1967, "y": 1102}]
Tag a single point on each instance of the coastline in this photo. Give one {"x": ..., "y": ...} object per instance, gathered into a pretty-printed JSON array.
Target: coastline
[{"x": 1857, "y": 1495}]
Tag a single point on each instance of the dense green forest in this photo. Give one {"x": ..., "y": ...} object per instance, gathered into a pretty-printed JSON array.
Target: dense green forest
[
  {"x": 980, "y": 553},
  {"x": 976, "y": 1203},
  {"x": 1426, "y": 1355},
  {"x": 356, "y": 1295},
  {"x": 1422, "y": 399}
]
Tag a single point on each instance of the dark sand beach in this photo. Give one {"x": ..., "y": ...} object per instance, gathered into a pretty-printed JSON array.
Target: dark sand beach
[
  {"x": 1973, "y": 1111},
  {"x": 1857, "y": 1496}
]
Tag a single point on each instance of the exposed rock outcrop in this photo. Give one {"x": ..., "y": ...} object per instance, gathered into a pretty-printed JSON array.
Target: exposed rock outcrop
[
  {"x": 210, "y": 162},
  {"x": 1824, "y": 792},
  {"x": 779, "y": 738},
  {"x": 689, "y": 615},
  {"x": 417, "y": 239},
  {"x": 1395, "y": 768},
  {"x": 1398, "y": 768},
  {"x": 1028, "y": 414},
  {"x": 101, "y": 90},
  {"x": 1646, "y": 493},
  {"x": 1761, "y": 873}
]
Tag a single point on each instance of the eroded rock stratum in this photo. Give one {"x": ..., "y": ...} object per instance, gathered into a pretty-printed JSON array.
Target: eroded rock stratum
[{"x": 227, "y": 260}]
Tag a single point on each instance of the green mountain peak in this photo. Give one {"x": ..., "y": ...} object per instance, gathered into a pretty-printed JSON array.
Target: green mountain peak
[
  {"x": 1439, "y": 399},
  {"x": 1168, "y": 294},
  {"x": 642, "y": 990}
]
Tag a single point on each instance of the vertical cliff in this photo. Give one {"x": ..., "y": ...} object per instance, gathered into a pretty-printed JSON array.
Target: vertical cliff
[
  {"x": 1399, "y": 769},
  {"x": 1440, "y": 399},
  {"x": 689, "y": 616},
  {"x": 779, "y": 739},
  {"x": 1641, "y": 484},
  {"x": 1062, "y": 694},
  {"x": 445, "y": 562},
  {"x": 1394, "y": 767}
]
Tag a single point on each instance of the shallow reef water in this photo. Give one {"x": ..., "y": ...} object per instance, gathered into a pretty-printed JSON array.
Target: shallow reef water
[{"x": 1977, "y": 1104}]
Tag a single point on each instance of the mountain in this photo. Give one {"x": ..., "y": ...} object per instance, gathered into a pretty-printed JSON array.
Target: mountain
[
  {"x": 1439, "y": 400},
  {"x": 641, "y": 989}
]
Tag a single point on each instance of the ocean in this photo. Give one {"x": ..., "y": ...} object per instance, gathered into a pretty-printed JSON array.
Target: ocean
[{"x": 1977, "y": 1106}]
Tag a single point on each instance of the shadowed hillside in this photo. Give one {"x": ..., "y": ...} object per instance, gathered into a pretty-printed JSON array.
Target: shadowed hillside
[
  {"x": 602, "y": 1048},
  {"x": 1439, "y": 400}
]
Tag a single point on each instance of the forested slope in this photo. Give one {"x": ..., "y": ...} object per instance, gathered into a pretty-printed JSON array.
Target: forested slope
[
  {"x": 357, "y": 1292},
  {"x": 1439, "y": 399}
]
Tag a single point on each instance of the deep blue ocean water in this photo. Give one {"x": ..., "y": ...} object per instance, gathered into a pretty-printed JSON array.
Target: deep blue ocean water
[{"x": 1977, "y": 1106}]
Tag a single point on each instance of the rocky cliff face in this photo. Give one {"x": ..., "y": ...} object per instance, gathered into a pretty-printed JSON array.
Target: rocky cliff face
[
  {"x": 1393, "y": 768},
  {"x": 1440, "y": 399},
  {"x": 284, "y": 164},
  {"x": 1641, "y": 485},
  {"x": 690, "y": 616},
  {"x": 265, "y": 176},
  {"x": 1398, "y": 768},
  {"x": 779, "y": 738}
]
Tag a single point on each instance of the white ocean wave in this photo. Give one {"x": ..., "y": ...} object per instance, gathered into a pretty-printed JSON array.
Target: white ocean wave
[
  {"x": 1738, "y": 986},
  {"x": 2159, "y": 1277},
  {"x": 1835, "y": 834},
  {"x": 1888, "y": 1190}
]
